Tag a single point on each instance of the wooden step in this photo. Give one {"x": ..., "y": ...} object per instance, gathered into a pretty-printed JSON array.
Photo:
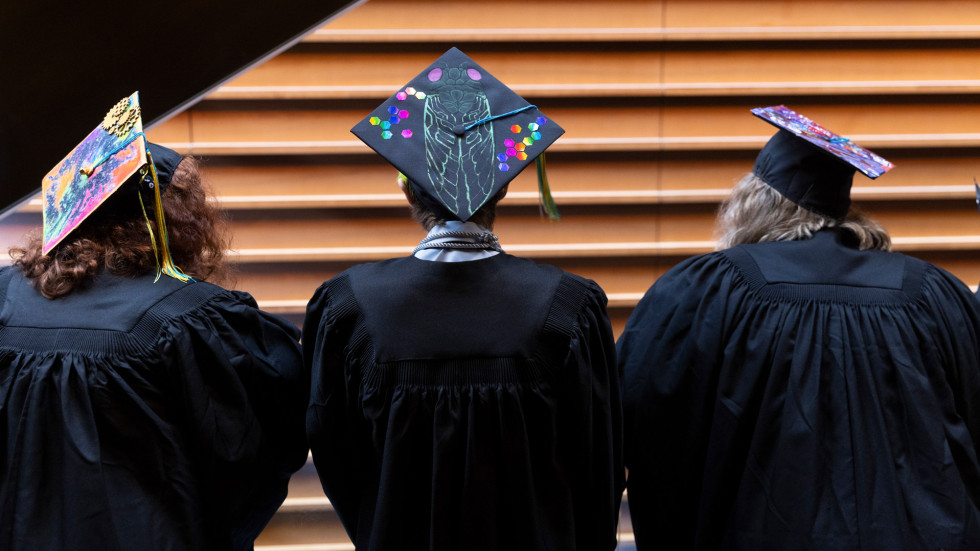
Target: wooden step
[
  {"x": 387, "y": 20},
  {"x": 825, "y": 18},
  {"x": 361, "y": 74},
  {"x": 419, "y": 21},
  {"x": 631, "y": 70},
  {"x": 306, "y": 517}
]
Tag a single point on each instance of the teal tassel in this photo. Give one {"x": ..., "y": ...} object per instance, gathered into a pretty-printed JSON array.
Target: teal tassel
[{"x": 547, "y": 202}]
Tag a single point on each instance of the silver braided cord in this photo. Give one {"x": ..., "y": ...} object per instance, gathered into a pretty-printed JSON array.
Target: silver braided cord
[{"x": 460, "y": 240}]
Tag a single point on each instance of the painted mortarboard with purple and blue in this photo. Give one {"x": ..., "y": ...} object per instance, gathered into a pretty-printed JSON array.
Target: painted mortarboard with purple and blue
[
  {"x": 810, "y": 165},
  {"x": 93, "y": 171},
  {"x": 869, "y": 163},
  {"x": 458, "y": 135},
  {"x": 114, "y": 157}
]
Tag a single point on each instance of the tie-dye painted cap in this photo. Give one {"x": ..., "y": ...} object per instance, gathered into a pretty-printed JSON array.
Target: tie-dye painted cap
[
  {"x": 459, "y": 135},
  {"x": 810, "y": 165},
  {"x": 113, "y": 157}
]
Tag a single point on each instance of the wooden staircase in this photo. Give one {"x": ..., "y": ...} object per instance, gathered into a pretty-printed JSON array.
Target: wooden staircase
[{"x": 655, "y": 98}]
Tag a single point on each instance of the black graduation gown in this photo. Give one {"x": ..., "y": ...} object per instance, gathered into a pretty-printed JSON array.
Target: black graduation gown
[
  {"x": 466, "y": 405},
  {"x": 803, "y": 395},
  {"x": 141, "y": 416}
]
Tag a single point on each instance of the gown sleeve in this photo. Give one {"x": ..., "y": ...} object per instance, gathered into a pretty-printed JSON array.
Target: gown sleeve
[
  {"x": 669, "y": 333},
  {"x": 331, "y": 424},
  {"x": 598, "y": 425},
  {"x": 239, "y": 378},
  {"x": 958, "y": 313}
]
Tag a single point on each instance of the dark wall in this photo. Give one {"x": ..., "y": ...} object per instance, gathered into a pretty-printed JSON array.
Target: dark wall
[{"x": 64, "y": 64}]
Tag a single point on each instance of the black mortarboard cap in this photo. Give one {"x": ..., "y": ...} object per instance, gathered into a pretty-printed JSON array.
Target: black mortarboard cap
[
  {"x": 165, "y": 161},
  {"x": 458, "y": 135},
  {"x": 810, "y": 165}
]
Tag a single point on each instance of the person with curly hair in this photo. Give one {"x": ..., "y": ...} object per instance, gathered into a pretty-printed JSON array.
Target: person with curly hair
[{"x": 140, "y": 411}]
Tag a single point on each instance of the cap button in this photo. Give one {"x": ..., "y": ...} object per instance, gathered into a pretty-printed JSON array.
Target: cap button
[{"x": 459, "y": 130}]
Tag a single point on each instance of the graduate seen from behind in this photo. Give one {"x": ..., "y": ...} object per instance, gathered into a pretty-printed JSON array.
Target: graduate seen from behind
[
  {"x": 803, "y": 388},
  {"x": 140, "y": 407},
  {"x": 463, "y": 398}
]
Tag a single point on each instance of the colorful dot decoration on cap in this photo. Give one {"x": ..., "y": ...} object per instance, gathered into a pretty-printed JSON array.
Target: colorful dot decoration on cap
[
  {"x": 397, "y": 114},
  {"x": 408, "y": 93},
  {"x": 515, "y": 149}
]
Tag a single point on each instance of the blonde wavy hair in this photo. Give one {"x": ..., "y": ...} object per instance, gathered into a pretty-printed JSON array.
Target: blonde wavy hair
[{"x": 756, "y": 212}]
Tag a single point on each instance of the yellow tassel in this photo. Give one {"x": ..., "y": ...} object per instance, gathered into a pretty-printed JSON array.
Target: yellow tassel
[
  {"x": 168, "y": 267},
  {"x": 153, "y": 239}
]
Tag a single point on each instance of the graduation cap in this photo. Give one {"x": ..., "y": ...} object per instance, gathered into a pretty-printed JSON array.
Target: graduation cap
[
  {"x": 459, "y": 135},
  {"x": 810, "y": 165},
  {"x": 114, "y": 160}
]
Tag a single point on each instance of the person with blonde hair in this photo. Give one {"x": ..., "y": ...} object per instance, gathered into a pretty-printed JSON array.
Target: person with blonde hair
[{"x": 803, "y": 387}]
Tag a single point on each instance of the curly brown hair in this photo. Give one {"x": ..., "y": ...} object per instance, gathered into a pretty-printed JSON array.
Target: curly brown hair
[{"x": 115, "y": 238}]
